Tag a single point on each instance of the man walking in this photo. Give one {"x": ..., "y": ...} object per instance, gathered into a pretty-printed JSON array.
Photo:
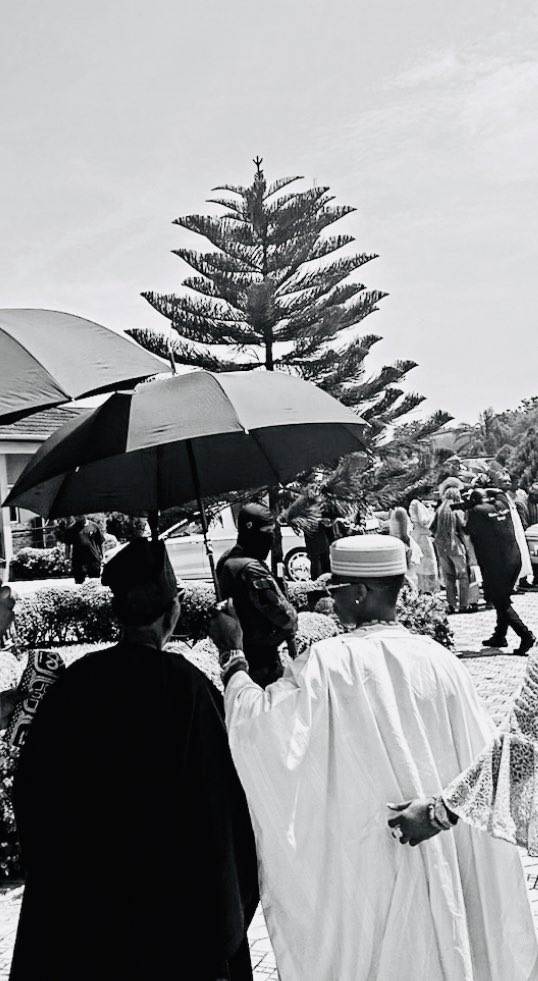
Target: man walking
[
  {"x": 135, "y": 834},
  {"x": 267, "y": 618},
  {"x": 491, "y": 530},
  {"x": 372, "y": 715}
]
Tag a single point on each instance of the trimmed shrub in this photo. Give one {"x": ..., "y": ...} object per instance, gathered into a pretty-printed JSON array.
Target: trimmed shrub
[
  {"x": 63, "y": 614},
  {"x": 40, "y": 563},
  {"x": 10, "y": 863},
  {"x": 71, "y": 613},
  {"x": 204, "y": 655},
  {"x": 10, "y": 670},
  {"x": 196, "y": 607},
  {"x": 313, "y": 627},
  {"x": 424, "y": 613}
]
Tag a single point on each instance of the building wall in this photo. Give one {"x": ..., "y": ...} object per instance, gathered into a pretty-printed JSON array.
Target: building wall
[{"x": 14, "y": 455}]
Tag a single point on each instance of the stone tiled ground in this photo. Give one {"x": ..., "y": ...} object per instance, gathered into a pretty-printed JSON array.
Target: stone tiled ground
[{"x": 497, "y": 677}]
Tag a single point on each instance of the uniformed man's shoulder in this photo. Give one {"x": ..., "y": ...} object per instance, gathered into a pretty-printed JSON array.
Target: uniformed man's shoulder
[{"x": 257, "y": 569}]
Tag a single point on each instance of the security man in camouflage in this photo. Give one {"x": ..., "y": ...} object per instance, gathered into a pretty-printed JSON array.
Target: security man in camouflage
[{"x": 267, "y": 618}]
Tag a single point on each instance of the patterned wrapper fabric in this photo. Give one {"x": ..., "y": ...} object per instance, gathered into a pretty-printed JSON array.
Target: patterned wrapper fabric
[
  {"x": 499, "y": 792},
  {"x": 42, "y": 670}
]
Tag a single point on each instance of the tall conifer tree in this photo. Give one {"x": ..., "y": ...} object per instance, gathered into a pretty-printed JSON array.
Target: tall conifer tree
[{"x": 270, "y": 294}]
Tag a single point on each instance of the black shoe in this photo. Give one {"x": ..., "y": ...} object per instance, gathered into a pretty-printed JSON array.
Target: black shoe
[
  {"x": 450, "y": 610},
  {"x": 525, "y": 645},
  {"x": 495, "y": 642},
  {"x": 472, "y": 608}
]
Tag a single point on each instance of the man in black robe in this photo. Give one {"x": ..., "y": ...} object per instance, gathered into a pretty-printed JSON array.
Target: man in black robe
[
  {"x": 86, "y": 540},
  {"x": 491, "y": 529},
  {"x": 135, "y": 834}
]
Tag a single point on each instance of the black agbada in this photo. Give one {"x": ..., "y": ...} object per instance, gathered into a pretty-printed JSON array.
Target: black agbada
[
  {"x": 492, "y": 533},
  {"x": 134, "y": 829}
]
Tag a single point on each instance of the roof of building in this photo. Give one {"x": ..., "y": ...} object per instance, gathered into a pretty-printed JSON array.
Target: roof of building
[{"x": 41, "y": 425}]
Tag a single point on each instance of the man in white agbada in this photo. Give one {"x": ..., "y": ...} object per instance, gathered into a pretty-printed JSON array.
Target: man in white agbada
[{"x": 374, "y": 715}]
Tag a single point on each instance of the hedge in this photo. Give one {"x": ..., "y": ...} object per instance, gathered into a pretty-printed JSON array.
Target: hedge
[
  {"x": 66, "y": 614},
  {"x": 71, "y": 613},
  {"x": 40, "y": 563}
]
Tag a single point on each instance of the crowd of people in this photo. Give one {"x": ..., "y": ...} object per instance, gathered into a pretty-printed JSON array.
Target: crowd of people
[
  {"x": 154, "y": 812},
  {"x": 469, "y": 537}
]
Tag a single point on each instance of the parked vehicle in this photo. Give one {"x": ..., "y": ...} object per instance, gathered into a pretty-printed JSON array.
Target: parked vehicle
[
  {"x": 189, "y": 559},
  {"x": 185, "y": 546}
]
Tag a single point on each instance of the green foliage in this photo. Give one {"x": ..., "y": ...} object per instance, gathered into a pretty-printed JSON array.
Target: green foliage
[
  {"x": 10, "y": 670},
  {"x": 10, "y": 863},
  {"x": 424, "y": 613},
  {"x": 523, "y": 461},
  {"x": 269, "y": 291},
  {"x": 125, "y": 527},
  {"x": 77, "y": 614},
  {"x": 313, "y": 627},
  {"x": 70, "y": 613},
  {"x": 40, "y": 563},
  {"x": 196, "y": 606}
]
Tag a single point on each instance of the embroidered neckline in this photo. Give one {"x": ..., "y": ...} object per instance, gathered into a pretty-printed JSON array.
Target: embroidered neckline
[{"x": 377, "y": 623}]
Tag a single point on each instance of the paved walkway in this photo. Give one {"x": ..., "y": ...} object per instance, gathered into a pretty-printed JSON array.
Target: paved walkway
[{"x": 497, "y": 677}]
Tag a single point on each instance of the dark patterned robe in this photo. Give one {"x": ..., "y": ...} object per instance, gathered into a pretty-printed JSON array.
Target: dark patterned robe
[{"x": 134, "y": 829}]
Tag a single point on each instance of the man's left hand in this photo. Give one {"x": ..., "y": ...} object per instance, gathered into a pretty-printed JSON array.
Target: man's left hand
[{"x": 413, "y": 821}]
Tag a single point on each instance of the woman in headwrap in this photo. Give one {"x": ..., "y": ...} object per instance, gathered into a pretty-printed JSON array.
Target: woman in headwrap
[{"x": 450, "y": 541}]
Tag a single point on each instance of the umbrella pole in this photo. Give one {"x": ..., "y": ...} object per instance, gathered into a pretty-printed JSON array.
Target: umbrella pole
[
  {"x": 203, "y": 519},
  {"x": 153, "y": 522}
]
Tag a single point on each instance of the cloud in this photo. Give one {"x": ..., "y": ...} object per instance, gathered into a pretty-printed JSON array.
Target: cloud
[
  {"x": 499, "y": 115},
  {"x": 439, "y": 68}
]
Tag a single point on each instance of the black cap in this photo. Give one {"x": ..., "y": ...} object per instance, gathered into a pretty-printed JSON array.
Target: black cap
[{"x": 142, "y": 581}]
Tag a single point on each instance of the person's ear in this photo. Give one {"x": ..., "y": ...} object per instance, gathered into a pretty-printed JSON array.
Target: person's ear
[
  {"x": 171, "y": 616},
  {"x": 361, "y": 593}
]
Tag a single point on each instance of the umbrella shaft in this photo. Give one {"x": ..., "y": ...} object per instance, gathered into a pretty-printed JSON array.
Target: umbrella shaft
[{"x": 203, "y": 518}]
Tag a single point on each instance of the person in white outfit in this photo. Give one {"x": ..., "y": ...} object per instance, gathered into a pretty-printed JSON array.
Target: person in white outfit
[{"x": 373, "y": 715}]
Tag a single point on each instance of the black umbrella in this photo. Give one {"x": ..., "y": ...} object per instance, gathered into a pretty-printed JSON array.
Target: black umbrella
[
  {"x": 48, "y": 358},
  {"x": 175, "y": 440}
]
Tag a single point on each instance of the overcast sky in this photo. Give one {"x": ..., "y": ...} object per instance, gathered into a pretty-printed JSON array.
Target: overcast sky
[{"x": 120, "y": 115}]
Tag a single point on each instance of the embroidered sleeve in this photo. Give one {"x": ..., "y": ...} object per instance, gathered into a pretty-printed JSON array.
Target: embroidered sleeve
[{"x": 498, "y": 793}]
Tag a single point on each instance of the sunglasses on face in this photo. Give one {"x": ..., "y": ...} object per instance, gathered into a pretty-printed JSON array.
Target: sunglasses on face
[{"x": 331, "y": 590}]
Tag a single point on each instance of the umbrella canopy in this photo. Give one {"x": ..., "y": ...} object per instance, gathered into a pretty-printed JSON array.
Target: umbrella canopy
[
  {"x": 169, "y": 441},
  {"x": 48, "y": 358}
]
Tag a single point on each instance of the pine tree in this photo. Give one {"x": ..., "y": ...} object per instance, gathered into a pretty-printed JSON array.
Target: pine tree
[{"x": 268, "y": 295}]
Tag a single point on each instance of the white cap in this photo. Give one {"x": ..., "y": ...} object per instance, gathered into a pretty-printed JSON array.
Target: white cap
[{"x": 368, "y": 556}]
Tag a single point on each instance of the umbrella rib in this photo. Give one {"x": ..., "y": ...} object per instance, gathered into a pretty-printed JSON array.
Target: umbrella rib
[
  {"x": 228, "y": 399},
  {"x": 15, "y": 340},
  {"x": 253, "y": 435}
]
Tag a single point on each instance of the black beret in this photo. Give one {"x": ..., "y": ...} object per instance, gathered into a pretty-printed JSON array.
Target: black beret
[{"x": 142, "y": 581}]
